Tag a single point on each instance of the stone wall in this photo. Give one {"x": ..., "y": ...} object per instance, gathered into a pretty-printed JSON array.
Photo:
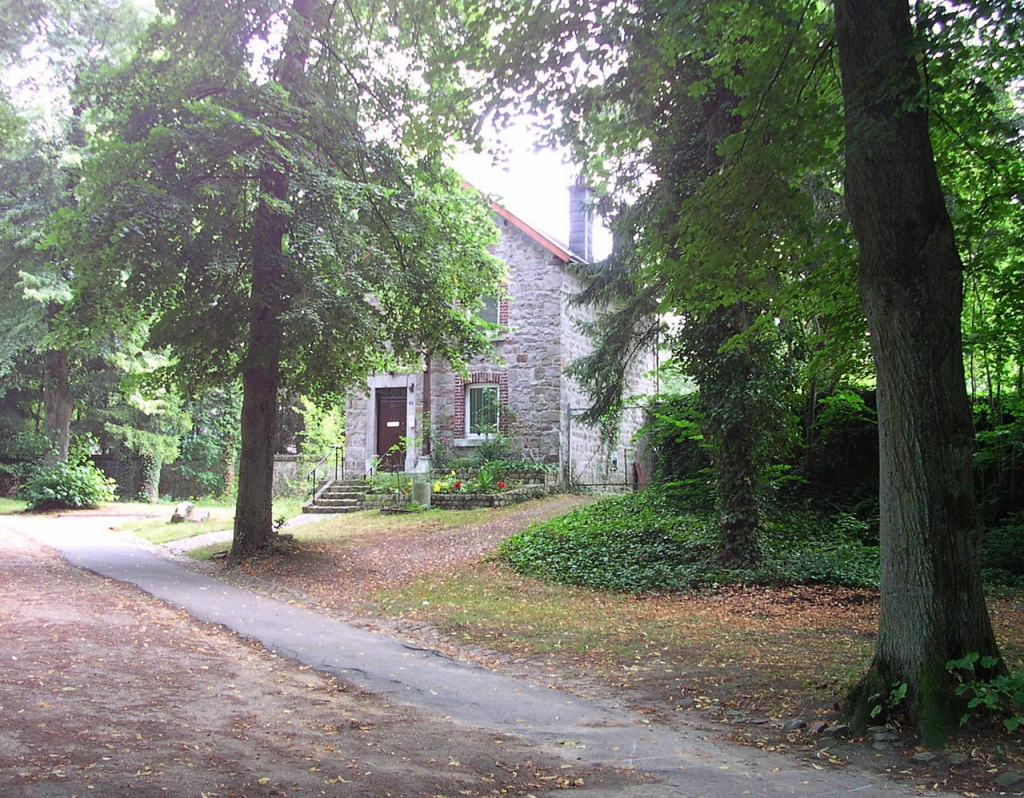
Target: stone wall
[
  {"x": 474, "y": 501},
  {"x": 357, "y": 433},
  {"x": 287, "y": 474},
  {"x": 588, "y": 460},
  {"x": 526, "y": 355}
]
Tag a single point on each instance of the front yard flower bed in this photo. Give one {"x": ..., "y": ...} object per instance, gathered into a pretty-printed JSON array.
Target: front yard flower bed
[
  {"x": 483, "y": 481},
  {"x": 459, "y": 490},
  {"x": 488, "y": 487}
]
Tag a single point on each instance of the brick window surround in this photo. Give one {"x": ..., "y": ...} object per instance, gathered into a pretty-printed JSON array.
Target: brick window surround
[
  {"x": 502, "y": 309},
  {"x": 499, "y": 378}
]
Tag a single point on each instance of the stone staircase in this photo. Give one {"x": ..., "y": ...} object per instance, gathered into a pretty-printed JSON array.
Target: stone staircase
[{"x": 338, "y": 497}]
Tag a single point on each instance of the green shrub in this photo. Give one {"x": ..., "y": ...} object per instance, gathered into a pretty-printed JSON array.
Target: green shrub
[
  {"x": 64, "y": 486},
  {"x": 525, "y": 466},
  {"x": 441, "y": 455},
  {"x": 674, "y": 434},
  {"x": 1002, "y": 551},
  {"x": 1001, "y": 696},
  {"x": 643, "y": 543},
  {"x": 496, "y": 447}
]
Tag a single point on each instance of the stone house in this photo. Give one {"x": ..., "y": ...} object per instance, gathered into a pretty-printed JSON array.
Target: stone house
[{"x": 521, "y": 388}]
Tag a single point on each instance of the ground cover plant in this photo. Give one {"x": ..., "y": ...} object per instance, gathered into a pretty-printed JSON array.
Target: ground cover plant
[{"x": 646, "y": 542}]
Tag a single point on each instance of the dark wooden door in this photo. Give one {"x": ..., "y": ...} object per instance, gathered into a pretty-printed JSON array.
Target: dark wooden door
[{"x": 391, "y": 408}]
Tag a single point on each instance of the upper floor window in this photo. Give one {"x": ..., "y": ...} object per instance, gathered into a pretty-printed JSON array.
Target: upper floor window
[{"x": 488, "y": 312}]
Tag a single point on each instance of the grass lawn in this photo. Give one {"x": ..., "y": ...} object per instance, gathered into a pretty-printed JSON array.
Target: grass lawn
[
  {"x": 10, "y": 506},
  {"x": 340, "y": 531},
  {"x": 773, "y": 651},
  {"x": 778, "y": 652},
  {"x": 749, "y": 657},
  {"x": 152, "y": 521},
  {"x": 157, "y": 528}
]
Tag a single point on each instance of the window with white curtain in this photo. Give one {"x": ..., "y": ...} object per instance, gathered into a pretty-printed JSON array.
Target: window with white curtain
[{"x": 481, "y": 410}]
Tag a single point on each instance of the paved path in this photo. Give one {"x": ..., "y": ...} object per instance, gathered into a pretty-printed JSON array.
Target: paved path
[{"x": 688, "y": 765}]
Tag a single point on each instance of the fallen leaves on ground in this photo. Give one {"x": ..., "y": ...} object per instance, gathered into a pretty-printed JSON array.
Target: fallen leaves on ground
[{"x": 745, "y": 659}]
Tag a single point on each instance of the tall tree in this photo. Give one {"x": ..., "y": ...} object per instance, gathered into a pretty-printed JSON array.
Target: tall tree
[
  {"x": 777, "y": 62},
  {"x": 267, "y": 302},
  {"x": 33, "y": 185},
  {"x": 267, "y": 192},
  {"x": 63, "y": 41},
  {"x": 911, "y": 283},
  {"x": 713, "y": 220},
  {"x": 973, "y": 95}
]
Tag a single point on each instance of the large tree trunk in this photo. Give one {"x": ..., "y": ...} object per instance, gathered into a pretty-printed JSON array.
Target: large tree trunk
[
  {"x": 254, "y": 521},
  {"x": 911, "y": 283},
  {"x": 57, "y": 404}
]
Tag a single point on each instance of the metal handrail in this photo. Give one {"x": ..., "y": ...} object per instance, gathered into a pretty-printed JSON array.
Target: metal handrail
[{"x": 338, "y": 468}]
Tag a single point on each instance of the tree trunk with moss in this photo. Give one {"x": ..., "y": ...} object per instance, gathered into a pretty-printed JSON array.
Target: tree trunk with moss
[
  {"x": 149, "y": 478},
  {"x": 911, "y": 283},
  {"x": 735, "y": 426}
]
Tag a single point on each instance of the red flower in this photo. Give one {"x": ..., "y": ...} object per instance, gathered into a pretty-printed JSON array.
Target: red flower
[
  {"x": 501, "y": 484},
  {"x": 457, "y": 485}
]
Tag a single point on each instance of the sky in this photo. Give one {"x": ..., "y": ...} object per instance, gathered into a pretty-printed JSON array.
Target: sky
[{"x": 532, "y": 184}]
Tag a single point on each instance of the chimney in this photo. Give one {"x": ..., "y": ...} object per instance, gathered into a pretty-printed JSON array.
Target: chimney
[{"x": 581, "y": 220}]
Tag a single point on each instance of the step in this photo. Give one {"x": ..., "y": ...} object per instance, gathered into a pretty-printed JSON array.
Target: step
[
  {"x": 339, "y": 497},
  {"x": 316, "y": 509},
  {"x": 339, "y": 501}
]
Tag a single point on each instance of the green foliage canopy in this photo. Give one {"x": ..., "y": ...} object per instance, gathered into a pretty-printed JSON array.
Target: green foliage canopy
[
  {"x": 264, "y": 194},
  {"x": 381, "y": 247}
]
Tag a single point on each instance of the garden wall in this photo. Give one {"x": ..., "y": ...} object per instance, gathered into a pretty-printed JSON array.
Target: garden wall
[
  {"x": 474, "y": 501},
  {"x": 174, "y": 484}
]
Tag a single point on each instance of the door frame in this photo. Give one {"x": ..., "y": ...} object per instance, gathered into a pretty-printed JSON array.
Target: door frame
[{"x": 407, "y": 381}]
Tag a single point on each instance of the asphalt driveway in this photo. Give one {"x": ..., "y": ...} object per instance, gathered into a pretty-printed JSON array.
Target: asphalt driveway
[{"x": 580, "y": 732}]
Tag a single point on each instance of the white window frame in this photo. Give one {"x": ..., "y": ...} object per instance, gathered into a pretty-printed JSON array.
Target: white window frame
[{"x": 482, "y": 386}]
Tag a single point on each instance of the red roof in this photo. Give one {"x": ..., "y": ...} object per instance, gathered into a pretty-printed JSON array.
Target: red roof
[{"x": 560, "y": 251}]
